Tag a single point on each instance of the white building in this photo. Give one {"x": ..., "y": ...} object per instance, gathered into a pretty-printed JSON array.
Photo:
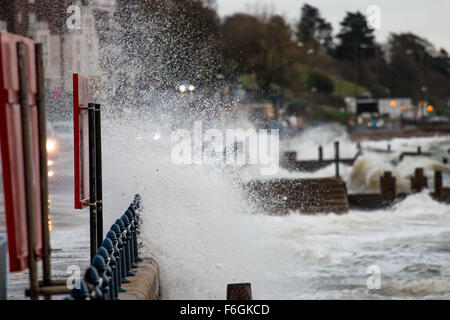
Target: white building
[{"x": 396, "y": 107}]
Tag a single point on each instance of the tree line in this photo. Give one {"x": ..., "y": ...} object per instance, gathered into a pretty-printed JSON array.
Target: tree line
[{"x": 308, "y": 60}]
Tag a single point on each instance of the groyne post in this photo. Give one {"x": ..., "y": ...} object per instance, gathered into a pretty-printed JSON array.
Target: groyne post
[
  {"x": 419, "y": 181},
  {"x": 239, "y": 291},
  {"x": 437, "y": 184},
  {"x": 387, "y": 186},
  {"x": 336, "y": 157},
  {"x": 320, "y": 153}
]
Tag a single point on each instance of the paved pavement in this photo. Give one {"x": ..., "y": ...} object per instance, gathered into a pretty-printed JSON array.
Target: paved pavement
[{"x": 69, "y": 235}]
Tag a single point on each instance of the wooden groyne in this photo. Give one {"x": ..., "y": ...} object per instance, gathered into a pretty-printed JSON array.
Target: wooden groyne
[
  {"x": 395, "y": 133},
  {"x": 329, "y": 195},
  {"x": 309, "y": 196},
  {"x": 289, "y": 160}
]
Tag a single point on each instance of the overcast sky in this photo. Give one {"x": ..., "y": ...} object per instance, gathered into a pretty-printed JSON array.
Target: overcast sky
[{"x": 427, "y": 18}]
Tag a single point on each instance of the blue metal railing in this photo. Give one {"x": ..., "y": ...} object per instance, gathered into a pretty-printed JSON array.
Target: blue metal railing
[{"x": 118, "y": 254}]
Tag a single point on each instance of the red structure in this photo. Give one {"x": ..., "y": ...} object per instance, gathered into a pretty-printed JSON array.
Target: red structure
[
  {"x": 11, "y": 141},
  {"x": 81, "y": 99}
]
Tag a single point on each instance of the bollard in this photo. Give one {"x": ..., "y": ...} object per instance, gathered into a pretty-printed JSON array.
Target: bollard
[
  {"x": 320, "y": 153},
  {"x": 419, "y": 181},
  {"x": 93, "y": 282},
  {"x": 437, "y": 184},
  {"x": 125, "y": 249},
  {"x": 239, "y": 291},
  {"x": 387, "y": 186},
  {"x": 3, "y": 271},
  {"x": 133, "y": 244},
  {"x": 99, "y": 264},
  {"x": 113, "y": 237},
  {"x": 123, "y": 271},
  {"x": 109, "y": 272},
  {"x": 80, "y": 293},
  {"x": 336, "y": 157},
  {"x": 127, "y": 235}
]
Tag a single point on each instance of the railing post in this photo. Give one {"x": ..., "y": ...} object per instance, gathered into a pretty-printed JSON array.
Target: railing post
[
  {"x": 112, "y": 235},
  {"x": 92, "y": 181},
  {"x": 132, "y": 221},
  {"x": 108, "y": 271},
  {"x": 127, "y": 237},
  {"x": 123, "y": 269},
  {"x": 108, "y": 245},
  {"x": 99, "y": 174},
  {"x": 93, "y": 282},
  {"x": 137, "y": 258},
  {"x": 99, "y": 264}
]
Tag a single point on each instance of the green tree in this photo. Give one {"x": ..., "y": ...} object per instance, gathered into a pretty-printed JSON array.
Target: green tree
[
  {"x": 321, "y": 83},
  {"x": 356, "y": 39},
  {"x": 312, "y": 29}
]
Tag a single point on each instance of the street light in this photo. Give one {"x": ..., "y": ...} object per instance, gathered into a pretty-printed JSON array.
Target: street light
[{"x": 182, "y": 88}]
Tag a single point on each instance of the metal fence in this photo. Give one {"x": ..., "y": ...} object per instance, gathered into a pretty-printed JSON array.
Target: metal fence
[{"x": 114, "y": 260}]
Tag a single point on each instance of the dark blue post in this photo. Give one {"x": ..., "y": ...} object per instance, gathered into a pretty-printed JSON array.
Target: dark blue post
[
  {"x": 93, "y": 282},
  {"x": 108, "y": 272},
  {"x": 116, "y": 253},
  {"x": 99, "y": 264},
  {"x": 123, "y": 271}
]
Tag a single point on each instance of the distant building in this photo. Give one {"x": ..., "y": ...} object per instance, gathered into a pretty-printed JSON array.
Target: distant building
[
  {"x": 65, "y": 51},
  {"x": 395, "y": 107}
]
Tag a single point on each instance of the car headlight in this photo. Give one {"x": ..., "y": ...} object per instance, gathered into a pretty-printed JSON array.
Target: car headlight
[{"x": 51, "y": 145}]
